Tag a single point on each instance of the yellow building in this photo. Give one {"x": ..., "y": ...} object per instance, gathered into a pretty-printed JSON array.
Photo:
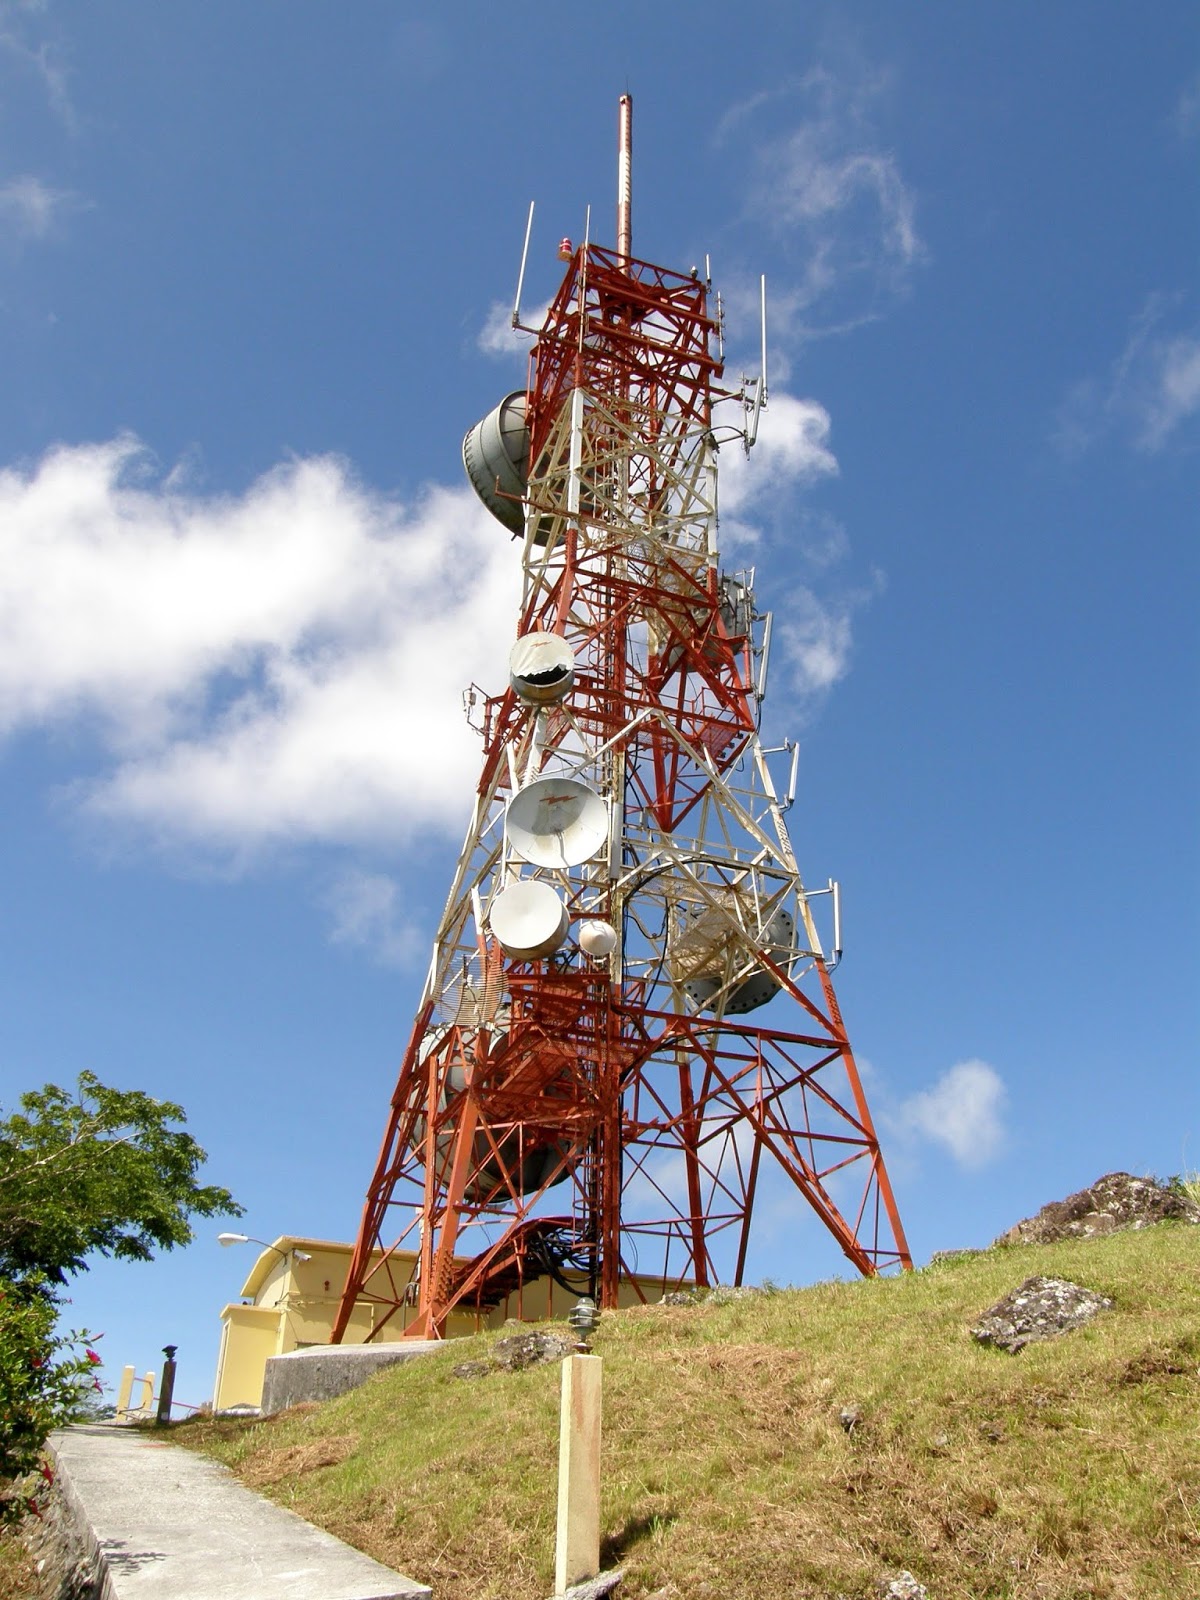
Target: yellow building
[{"x": 291, "y": 1296}]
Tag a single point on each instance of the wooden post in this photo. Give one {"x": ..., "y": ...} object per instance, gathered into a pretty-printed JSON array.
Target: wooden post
[
  {"x": 577, "y": 1549},
  {"x": 124, "y": 1392}
]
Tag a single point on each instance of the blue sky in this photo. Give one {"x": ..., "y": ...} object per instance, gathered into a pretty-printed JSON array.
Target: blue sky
[{"x": 251, "y": 257}]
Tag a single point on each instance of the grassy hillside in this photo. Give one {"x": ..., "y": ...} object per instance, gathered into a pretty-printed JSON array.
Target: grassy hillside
[{"x": 1070, "y": 1470}]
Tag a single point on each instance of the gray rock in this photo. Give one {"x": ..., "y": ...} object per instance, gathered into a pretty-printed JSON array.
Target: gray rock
[
  {"x": 726, "y": 1294},
  {"x": 1041, "y": 1308},
  {"x": 902, "y": 1587},
  {"x": 471, "y": 1369},
  {"x": 850, "y": 1417},
  {"x": 516, "y": 1352},
  {"x": 1118, "y": 1200},
  {"x": 521, "y": 1350}
]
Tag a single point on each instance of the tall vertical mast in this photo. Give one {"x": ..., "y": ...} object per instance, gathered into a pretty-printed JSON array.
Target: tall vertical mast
[{"x": 625, "y": 179}]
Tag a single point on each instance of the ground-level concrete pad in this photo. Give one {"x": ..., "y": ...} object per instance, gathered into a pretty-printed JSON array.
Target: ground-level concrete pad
[
  {"x": 176, "y": 1526},
  {"x": 325, "y": 1370}
]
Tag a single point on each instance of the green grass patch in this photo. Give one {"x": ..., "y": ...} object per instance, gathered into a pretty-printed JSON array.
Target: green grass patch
[{"x": 1069, "y": 1471}]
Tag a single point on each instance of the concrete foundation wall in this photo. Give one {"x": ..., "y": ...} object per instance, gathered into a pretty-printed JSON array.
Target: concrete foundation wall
[{"x": 329, "y": 1370}]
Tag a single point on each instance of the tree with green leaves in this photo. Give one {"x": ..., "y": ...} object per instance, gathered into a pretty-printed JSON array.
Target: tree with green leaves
[{"x": 97, "y": 1171}]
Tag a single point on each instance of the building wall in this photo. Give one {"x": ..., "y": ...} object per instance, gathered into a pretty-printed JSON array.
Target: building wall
[
  {"x": 249, "y": 1337},
  {"x": 293, "y": 1304}
]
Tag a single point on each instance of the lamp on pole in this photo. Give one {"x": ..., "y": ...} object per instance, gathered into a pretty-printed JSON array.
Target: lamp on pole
[{"x": 248, "y": 1238}]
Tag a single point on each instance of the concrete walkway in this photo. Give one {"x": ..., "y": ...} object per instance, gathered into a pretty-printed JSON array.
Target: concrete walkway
[{"x": 177, "y": 1526}]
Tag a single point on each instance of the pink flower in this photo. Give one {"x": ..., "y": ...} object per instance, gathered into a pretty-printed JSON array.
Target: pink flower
[{"x": 93, "y": 1358}]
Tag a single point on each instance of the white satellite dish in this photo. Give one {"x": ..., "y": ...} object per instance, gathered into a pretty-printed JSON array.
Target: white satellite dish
[
  {"x": 556, "y": 822},
  {"x": 529, "y": 919},
  {"x": 541, "y": 668},
  {"x": 597, "y": 939}
]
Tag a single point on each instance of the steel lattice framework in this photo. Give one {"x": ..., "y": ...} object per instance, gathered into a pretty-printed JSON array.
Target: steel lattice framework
[{"x": 617, "y": 1114}]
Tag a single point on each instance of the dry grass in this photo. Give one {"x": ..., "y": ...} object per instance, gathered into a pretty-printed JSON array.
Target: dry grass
[
  {"x": 1069, "y": 1471},
  {"x": 19, "y": 1578}
]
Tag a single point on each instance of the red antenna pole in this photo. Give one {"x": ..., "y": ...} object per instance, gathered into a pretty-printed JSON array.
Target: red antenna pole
[{"x": 625, "y": 179}]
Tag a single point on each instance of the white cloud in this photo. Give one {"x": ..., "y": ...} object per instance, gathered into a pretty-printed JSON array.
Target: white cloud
[
  {"x": 1173, "y": 392},
  {"x": 963, "y": 1112},
  {"x": 792, "y": 449},
  {"x": 1186, "y": 117},
  {"x": 815, "y": 183},
  {"x": 284, "y": 664},
  {"x": 30, "y": 207},
  {"x": 834, "y": 196},
  {"x": 499, "y": 338},
  {"x": 815, "y": 637},
  {"x": 365, "y": 907},
  {"x": 40, "y": 56},
  {"x": 813, "y": 630},
  {"x": 1150, "y": 392}
]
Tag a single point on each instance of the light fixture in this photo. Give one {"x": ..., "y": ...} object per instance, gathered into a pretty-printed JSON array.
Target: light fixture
[
  {"x": 583, "y": 1318},
  {"x": 248, "y": 1238}
]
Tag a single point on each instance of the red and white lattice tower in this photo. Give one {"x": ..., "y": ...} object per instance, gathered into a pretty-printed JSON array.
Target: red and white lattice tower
[{"x": 629, "y": 1014}]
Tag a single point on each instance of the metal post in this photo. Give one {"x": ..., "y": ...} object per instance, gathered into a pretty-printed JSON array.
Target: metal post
[
  {"x": 625, "y": 179},
  {"x": 168, "y": 1383}
]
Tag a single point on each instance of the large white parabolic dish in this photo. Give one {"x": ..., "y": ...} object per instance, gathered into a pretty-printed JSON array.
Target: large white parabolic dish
[
  {"x": 529, "y": 919},
  {"x": 556, "y": 822}
]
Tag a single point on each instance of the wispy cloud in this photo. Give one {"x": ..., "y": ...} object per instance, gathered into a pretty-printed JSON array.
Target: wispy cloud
[
  {"x": 285, "y": 664},
  {"x": 816, "y": 637},
  {"x": 1186, "y": 115},
  {"x": 366, "y": 908},
  {"x": 499, "y": 338},
  {"x": 963, "y": 1112},
  {"x": 42, "y": 57},
  {"x": 29, "y": 208},
  {"x": 835, "y": 198},
  {"x": 814, "y": 620},
  {"x": 1149, "y": 393}
]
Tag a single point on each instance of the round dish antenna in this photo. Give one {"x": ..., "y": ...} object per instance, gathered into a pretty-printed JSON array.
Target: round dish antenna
[
  {"x": 529, "y": 919},
  {"x": 556, "y": 822},
  {"x": 541, "y": 668},
  {"x": 496, "y": 456}
]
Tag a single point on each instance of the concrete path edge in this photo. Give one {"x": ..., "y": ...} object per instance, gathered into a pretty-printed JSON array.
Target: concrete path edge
[{"x": 156, "y": 1520}]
